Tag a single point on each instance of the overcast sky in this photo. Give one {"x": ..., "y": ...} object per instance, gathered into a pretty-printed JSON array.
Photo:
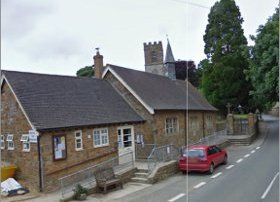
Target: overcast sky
[{"x": 60, "y": 36}]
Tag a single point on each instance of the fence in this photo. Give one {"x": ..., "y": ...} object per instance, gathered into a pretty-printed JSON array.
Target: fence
[
  {"x": 162, "y": 154},
  {"x": 142, "y": 151},
  {"x": 214, "y": 138},
  {"x": 86, "y": 177}
]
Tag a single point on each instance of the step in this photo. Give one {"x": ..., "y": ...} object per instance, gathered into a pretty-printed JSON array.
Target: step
[
  {"x": 140, "y": 174},
  {"x": 140, "y": 180},
  {"x": 142, "y": 170}
]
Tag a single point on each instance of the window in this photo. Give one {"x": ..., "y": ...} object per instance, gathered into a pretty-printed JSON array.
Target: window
[
  {"x": 59, "y": 147},
  {"x": 78, "y": 141},
  {"x": 10, "y": 140},
  {"x": 100, "y": 137},
  {"x": 2, "y": 142},
  {"x": 193, "y": 123},
  {"x": 209, "y": 122},
  {"x": 25, "y": 143},
  {"x": 171, "y": 125}
]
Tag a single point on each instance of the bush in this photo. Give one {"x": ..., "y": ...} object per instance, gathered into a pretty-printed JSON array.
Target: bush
[{"x": 79, "y": 191}]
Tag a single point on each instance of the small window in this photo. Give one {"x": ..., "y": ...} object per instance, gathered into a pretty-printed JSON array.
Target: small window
[
  {"x": 78, "y": 140},
  {"x": 209, "y": 122},
  {"x": 100, "y": 137},
  {"x": 2, "y": 142},
  {"x": 171, "y": 125},
  {"x": 10, "y": 140},
  {"x": 25, "y": 143},
  {"x": 194, "y": 123},
  {"x": 59, "y": 147}
]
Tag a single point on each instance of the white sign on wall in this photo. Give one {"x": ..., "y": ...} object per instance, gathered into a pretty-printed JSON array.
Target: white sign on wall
[{"x": 33, "y": 136}]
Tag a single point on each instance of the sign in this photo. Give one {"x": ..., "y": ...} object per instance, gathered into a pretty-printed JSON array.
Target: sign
[{"x": 33, "y": 134}]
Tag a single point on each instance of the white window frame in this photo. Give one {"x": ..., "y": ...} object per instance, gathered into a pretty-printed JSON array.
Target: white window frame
[
  {"x": 103, "y": 134},
  {"x": 10, "y": 140},
  {"x": 171, "y": 125},
  {"x": 80, "y": 138},
  {"x": 2, "y": 142},
  {"x": 25, "y": 142}
]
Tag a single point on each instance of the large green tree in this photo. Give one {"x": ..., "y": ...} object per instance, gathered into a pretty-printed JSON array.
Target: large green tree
[
  {"x": 264, "y": 63},
  {"x": 86, "y": 71},
  {"x": 223, "y": 79}
]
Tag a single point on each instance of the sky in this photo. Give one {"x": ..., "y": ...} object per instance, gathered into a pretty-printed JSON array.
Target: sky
[{"x": 60, "y": 36}]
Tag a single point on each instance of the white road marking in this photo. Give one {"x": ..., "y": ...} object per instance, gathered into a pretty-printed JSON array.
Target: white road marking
[
  {"x": 175, "y": 198},
  {"x": 239, "y": 160},
  {"x": 258, "y": 148},
  {"x": 269, "y": 186},
  {"x": 247, "y": 155},
  {"x": 229, "y": 167},
  {"x": 214, "y": 176},
  {"x": 253, "y": 151},
  {"x": 199, "y": 185}
]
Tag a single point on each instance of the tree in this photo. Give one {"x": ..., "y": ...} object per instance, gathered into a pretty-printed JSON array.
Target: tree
[
  {"x": 181, "y": 68},
  {"x": 86, "y": 71},
  {"x": 263, "y": 71},
  {"x": 223, "y": 79}
]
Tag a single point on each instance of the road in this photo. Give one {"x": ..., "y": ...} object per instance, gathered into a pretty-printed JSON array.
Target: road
[{"x": 251, "y": 175}]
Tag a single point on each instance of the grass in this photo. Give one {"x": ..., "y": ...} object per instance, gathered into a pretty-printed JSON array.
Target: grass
[{"x": 240, "y": 116}]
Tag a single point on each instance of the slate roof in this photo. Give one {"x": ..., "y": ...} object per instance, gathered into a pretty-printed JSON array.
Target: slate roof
[
  {"x": 52, "y": 101},
  {"x": 162, "y": 93}
]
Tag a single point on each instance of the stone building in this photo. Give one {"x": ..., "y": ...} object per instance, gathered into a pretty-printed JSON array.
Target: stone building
[
  {"x": 78, "y": 121},
  {"x": 61, "y": 124}
]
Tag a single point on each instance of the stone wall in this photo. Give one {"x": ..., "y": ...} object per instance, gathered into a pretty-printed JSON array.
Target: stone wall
[
  {"x": 13, "y": 121},
  {"x": 76, "y": 160}
]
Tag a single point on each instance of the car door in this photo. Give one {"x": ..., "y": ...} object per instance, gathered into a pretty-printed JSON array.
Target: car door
[
  {"x": 213, "y": 155},
  {"x": 220, "y": 156}
]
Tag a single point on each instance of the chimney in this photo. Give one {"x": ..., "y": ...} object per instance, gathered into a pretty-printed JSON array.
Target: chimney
[{"x": 98, "y": 64}]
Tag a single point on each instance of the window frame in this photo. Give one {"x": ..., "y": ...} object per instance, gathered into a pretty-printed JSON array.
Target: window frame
[
  {"x": 10, "y": 139},
  {"x": 194, "y": 123},
  {"x": 2, "y": 143},
  {"x": 209, "y": 122},
  {"x": 78, "y": 138},
  {"x": 63, "y": 155},
  {"x": 101, "y": 135},
  {"x": 172, "y": 126},
  {"x": 25, "y": 141}
]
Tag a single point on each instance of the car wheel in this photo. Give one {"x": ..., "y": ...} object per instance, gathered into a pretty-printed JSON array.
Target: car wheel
[
  {"x": 211, "y": 168},
  {"x": 184, "y": 172},
  {"x": 225, "y": 160}
]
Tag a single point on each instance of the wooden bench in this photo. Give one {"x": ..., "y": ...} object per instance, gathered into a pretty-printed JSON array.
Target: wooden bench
[{"x": 106, "y": 178}]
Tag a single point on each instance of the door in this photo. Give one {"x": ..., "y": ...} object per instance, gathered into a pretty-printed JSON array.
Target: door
[{"x": 126, "y": 148}]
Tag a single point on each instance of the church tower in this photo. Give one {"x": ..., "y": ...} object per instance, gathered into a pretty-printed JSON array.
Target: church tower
[{"x": 154, "y": 58}]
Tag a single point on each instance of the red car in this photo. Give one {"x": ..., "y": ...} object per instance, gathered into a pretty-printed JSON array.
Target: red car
[{"x": 202, "y": 158}]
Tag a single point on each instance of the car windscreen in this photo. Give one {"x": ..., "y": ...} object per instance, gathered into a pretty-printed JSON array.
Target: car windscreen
[{"x": 193, "y": 153}]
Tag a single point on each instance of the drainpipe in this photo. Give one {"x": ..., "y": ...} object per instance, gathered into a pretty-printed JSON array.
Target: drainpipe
[
  {"x": 203, "y": 126},
  {"x": 40, "y": 164}
]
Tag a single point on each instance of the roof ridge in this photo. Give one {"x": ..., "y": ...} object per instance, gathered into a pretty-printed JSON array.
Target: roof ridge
[
  {"x": 45, "y": 74},
  {"x": 148, "y": 73}
]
